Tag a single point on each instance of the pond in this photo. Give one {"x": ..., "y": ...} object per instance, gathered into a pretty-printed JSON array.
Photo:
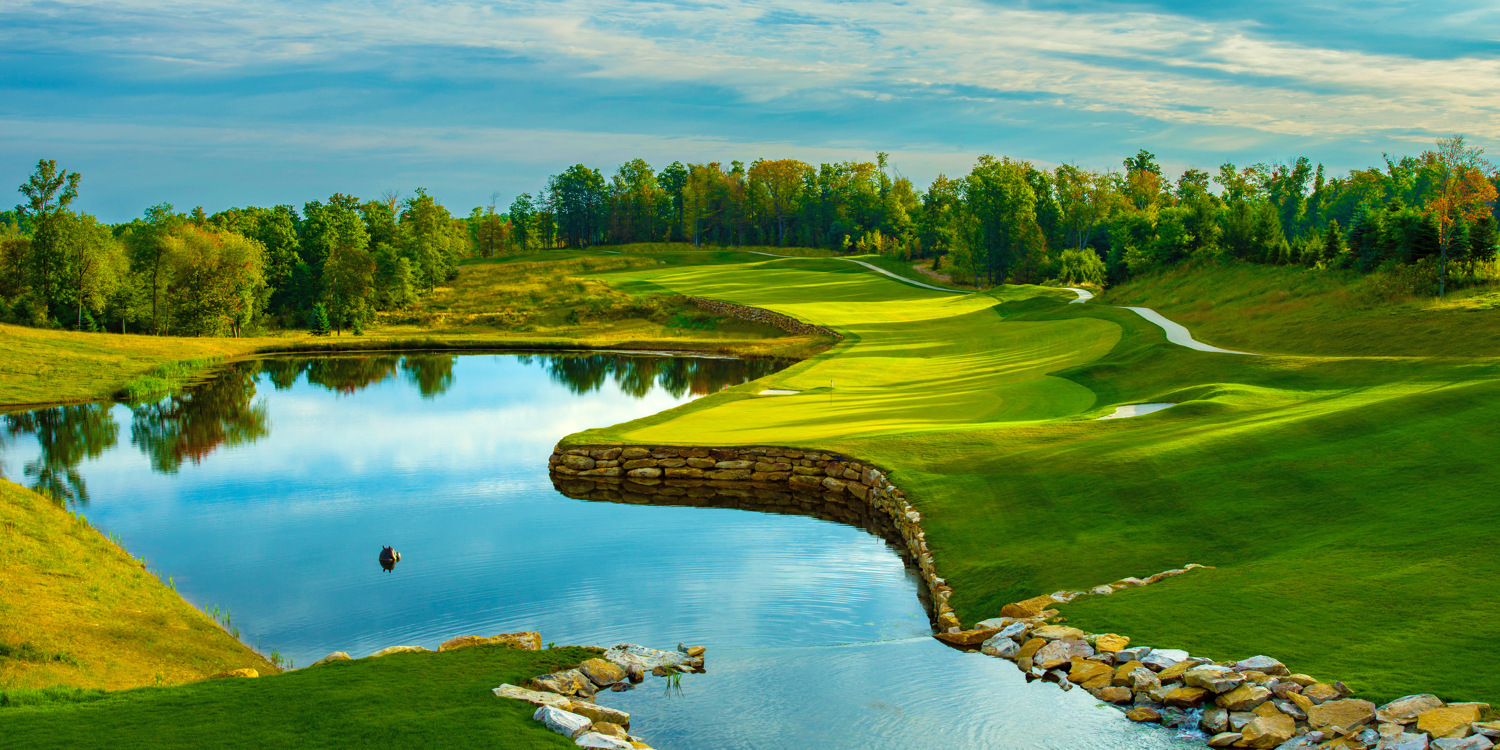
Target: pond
[{"x": 268, "y": 491}]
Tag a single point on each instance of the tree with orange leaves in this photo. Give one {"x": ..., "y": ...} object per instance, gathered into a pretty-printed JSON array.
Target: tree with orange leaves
[{"x": 1463, "y": 193}]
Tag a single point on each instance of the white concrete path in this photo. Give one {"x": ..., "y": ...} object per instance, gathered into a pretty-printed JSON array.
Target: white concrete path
[{"x": 1176, "y": 333}]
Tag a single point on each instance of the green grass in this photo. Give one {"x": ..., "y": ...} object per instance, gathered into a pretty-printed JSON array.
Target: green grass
[
  {"x": 1346, "y": 502},
  {"x": 409, "y": 700},
  {"x": 78, "y": 610}
]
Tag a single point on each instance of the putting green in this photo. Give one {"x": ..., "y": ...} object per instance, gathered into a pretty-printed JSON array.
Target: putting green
[{"x": 1346, "y": 502}]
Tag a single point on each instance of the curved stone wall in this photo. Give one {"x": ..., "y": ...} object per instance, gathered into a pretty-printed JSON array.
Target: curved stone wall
[{"x": 756, "y": 314}]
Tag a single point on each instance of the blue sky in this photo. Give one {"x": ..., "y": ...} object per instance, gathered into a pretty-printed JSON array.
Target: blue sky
[{"x": 265, "y": 101}]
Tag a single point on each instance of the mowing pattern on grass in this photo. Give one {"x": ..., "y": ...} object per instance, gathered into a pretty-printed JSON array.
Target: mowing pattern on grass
[{"x": 1345, "y": 502}]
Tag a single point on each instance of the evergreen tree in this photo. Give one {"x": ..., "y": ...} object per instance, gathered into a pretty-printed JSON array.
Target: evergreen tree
[
  {"x": 319, "y": 326},
  {"x": 1333, "y": 243}
]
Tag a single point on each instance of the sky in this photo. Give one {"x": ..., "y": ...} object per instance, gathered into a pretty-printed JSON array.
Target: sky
[{"x": 262, "y": 102}]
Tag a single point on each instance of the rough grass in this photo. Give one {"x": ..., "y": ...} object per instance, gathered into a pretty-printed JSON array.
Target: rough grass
[
  {"x": 1321, "y": 313},
  {"x": 1347, "y": 502},
  {"x": 78, "y": 610},
  {"x": 410, "y": 700}
]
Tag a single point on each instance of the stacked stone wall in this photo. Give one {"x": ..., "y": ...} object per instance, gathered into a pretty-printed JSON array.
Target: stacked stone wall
[
  {"x": 821, "y": 483},
  {"x": 756, "y": 314}
]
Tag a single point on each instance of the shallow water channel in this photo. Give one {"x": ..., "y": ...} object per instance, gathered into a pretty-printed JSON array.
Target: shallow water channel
[{"x": 268, "y": 491}]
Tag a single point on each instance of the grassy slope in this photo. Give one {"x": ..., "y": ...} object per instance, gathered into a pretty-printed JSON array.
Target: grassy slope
[
  {"x": 1347, "y": 502},
  {"x": 89, "y": 615},
  {"x": 1304, "y": 311},
  {"x": 39, "y": 366},
  {"x": 401, "y": 700}
]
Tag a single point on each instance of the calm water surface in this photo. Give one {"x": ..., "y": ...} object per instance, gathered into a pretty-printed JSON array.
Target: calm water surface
[{"x": 270, "y": 490}]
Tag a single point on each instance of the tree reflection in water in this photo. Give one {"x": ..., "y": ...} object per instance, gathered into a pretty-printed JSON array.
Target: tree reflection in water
[
  {"x": 66, "y": 435},
  {"x": 196, "y": 420}
]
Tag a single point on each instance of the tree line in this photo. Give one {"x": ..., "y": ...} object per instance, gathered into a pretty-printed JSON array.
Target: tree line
[{"x": 337, "y": 264}]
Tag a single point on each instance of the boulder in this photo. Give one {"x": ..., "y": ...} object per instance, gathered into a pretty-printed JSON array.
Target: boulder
[
  {"x": 613, "y": 730},
  {"x": 1114, "y": 695},
  {"x": 565, "y": 723},
  {"x": 1214, "y": 720},
  {"x": 1143, "y": 680},
  {"x": 1004, "y": 648},
  {"x": 1263, "y": 664},
  {"x": 1267, "y": 709},
  {"x": 645, "y": 473},
  {"x": 597, "y": 713},
  {"x": 1122, "y": 672},
  {"x": 627, "y": 654},
  {"x": 1452, "y": 721},
  {"x": 246, "y": 672},
  {"x": 1403, "y": 741},
  {"x": 631, "y": 453},
  {"x": 1225, "y": 739},
  {"x": 1110, "y": 643},
  {"x": 1099, "y": 683},
  {"x": 1177, "y": 717},
  {"x": 1474, "y": 742},
  {"x": 396, "y": 650},
  {"x": 1016, "y": 631},
  {"x": 524, "y": 641},
  {"x": 1302, "y": 701},
  {"x": 1144, "y": 714},
  {"x": 329, "y": 659},
  {"x": 1058, "y": 653},
  {"x": 1176, "y": 671},
  {"x": 1159, "y": 695},
  {"x": 531, "y": 696},
  {"x": 1084, "y": 670},
  {"x": 1268, "y": 731},
  {"x": 1057, "y": 633},
  {"x": 1238, "y": 719},
  {"x": 1243, "y": 698},
  {"x": 1162, "y": 658},
  {"x": 995, "y": 622},
  {"x": 1029, "y": 608},
  {"x": 1029, "y": 648},
  {"x": 571, "y": 682},
  {"x": 1186, "y": 697},
  {"x": 578, "y": 463},
  {"x": 1290, "y": 709},
  {"x": 1213, "y": 677},
  {"x": 967, "y": 637},
  {"x": 1341, "y": 716},
  {"x": 1404, "y": 710},
  {"x": 601, "y": 672},
  {"x": 1319, "y": 692},
  {"x": 1301, "y": 679},
  {"x": 1134, "y": 653}
]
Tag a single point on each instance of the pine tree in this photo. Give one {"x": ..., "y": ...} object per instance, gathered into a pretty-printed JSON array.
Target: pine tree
[
  {"x": 319, "y": 325},
  {"x": 1333, "y": 242}
]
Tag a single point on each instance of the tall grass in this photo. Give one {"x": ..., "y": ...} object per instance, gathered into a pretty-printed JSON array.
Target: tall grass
[{"x": 164, "y": 379}]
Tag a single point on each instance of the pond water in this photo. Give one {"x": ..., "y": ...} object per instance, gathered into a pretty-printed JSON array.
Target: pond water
[{"x": 268, "y": 492}]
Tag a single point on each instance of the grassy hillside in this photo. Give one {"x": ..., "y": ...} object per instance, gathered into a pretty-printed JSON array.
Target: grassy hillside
[
  {"x": 77, "y": 610},
  {"x": 406, "y": 700},
  {"x": 1345, "y": 501},
  {"x": 1320, "y": 313}
]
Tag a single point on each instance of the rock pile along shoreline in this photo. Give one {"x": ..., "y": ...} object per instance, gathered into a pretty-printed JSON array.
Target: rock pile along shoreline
[
  {"x": 1252, "y": 703},
  {"x": 784, "y": 322}
]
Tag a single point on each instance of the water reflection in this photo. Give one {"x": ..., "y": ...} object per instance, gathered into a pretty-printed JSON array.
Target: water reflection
[
  {"x": 65, "y": 435},
  {"x": 637, "y": 375},
  {"x": 195, "y": 422}
]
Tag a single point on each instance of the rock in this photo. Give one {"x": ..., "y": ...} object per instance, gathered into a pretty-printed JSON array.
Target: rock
[
  {"x": 524, "y": 641},
  {"x": 1110, "y": 643},
  {"x": 1029, "y": 608},
  {"x": 1144, "y": 714},
  {"x": 1186, "y": 697},
  {"x": 1261, "y": 664},
  {"x": 565, "y": 723},
  {"x": 1143, "y": 680},
  {"x": 1290, "y": 709},
  {"x": 1160, "y": 659},
  {"x": 1084, "y": 670},
  {"x": 1015, "y": 631},
  {"x": 1302, "y": 701},
  {"x": 1176, "y": 671},
  {"x": 1215, "y": 720},
  {"x": 1238, "y": 720},
  {"x": 627, "y": 654},
  {"x": 1268, "y": 731},
  {"x": 1134, "y": 653},
  {"x": 1403, "y": 741},
  {"x": 331, "y": 658},
  {"x": 1159, "y": 695},
  {"x": 600, "y": 741},
  {"x": 578, "y": 463},
  {"x": 246, "y": 672},
  {"x": 1058, "y": 633},
  {"x": 1029, "y": 648},
  {"x": 1004, "y": 648},
  {"x": 1099, "y": 683},
  {"x": 635, "y": 672},
  {"x": 694, "y": 652},
  {"x": 1216, "y": 678},
  {"x": 995, "y": 622},
  {"x": 1224, "y": 739},
  {"x": 1177, "y": 717},
  {"x": 633, "y": 453},
  {"x": 620, "y": 687},
  {"x": 1267, "y": 709},
  {"x": 1283, "y": 689},
  {"x": 1114, "y": 695},
  {"x": 1475, "y": 742},
  {"x": 531, "y": 696},
  {"x": 1058, "y": 653},
  {"x": 571, "y": 682},
  {"x": 1404, "y": 710},
  {"x": 1122, "y": 672},
  {"x": 601, "y": 672},
  {"x": 1301, "y": 679},
  {"x": 1341, "y": 716},
  {"x": 1452, "y": 721},
  {"x": 395, "y": 650},
  {"x": 1490, "y": 729},
  {"x": 1343, "y": 689},
  {"x": 1318, "y": 692},
  {"x": 1243, "y": 698},
  {"x": 647, "y": 473},
  {"x": 967, "y": 637},
  {"x": 613, "y": 730},
  {"x": 597, "y": 713}
]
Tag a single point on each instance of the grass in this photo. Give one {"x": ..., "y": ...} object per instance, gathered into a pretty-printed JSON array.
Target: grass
[
  {"x": 1320, "y": 313},
  {"x": 78, "y": 610},
  {"x": 401, "y": 700},
  {"x": 1346, "y": 501}
]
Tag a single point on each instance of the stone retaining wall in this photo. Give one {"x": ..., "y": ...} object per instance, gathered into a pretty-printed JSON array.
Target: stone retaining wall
[
  {"x": 756, "y": 314},
  {"x": 779, "y": 479}
]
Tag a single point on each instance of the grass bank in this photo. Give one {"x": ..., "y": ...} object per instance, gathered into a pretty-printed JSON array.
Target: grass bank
[
  {"x": 1345, "y": 501},
  {"x": 401, "y": 700},
  {"x": 78, "y": 610}
]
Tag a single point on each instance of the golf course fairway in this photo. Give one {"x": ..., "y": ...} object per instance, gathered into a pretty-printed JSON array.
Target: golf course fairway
[{"x": 1346, "y": 504}]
